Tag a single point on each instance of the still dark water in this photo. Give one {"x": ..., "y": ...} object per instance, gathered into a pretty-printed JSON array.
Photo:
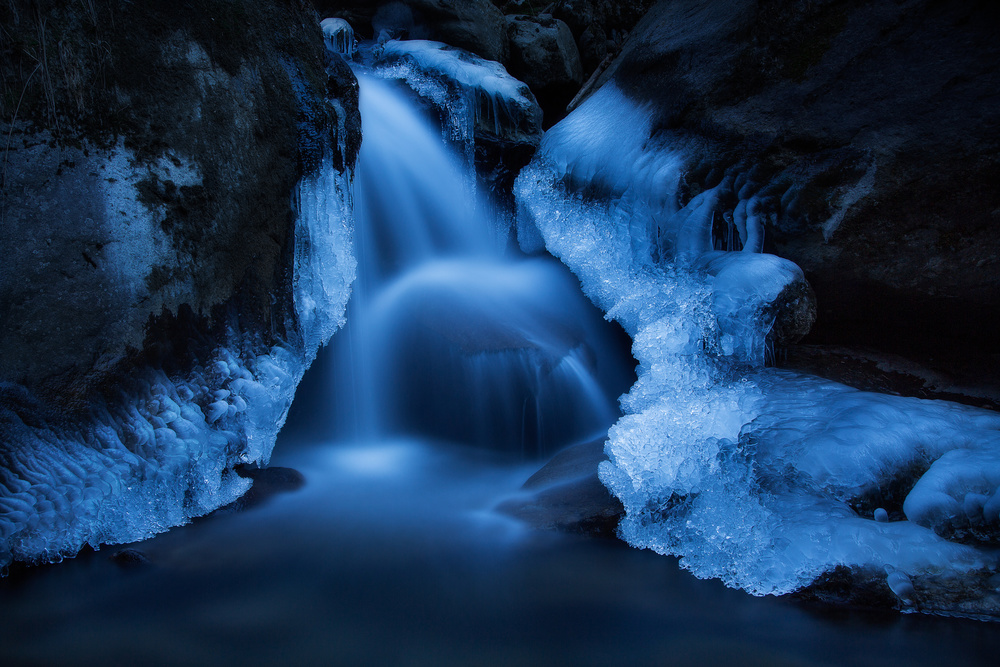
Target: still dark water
[{"x": 390, "y": 555}]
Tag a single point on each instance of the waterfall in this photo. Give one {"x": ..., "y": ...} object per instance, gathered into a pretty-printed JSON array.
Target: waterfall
[{"x": 447, "y": 337}]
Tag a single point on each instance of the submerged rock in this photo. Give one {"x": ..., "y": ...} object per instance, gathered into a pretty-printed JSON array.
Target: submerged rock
[
  {"x": 566, "y": 494},
  {"x": 267, "y": 483},
  {"x": 130, "y": 559}
]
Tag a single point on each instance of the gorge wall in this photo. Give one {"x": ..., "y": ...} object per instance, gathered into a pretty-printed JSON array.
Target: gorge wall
[
  {"x": 866, "y": 134},
  {"x": 151, "y": 296}
]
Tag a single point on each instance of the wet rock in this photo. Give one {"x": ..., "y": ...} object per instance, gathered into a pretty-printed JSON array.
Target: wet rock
[
  {"x": 566, "y": 494},
  {"x": 794, "y": 313},
  {"x": 544, "y": 55},
  {"x": 130, "y": 559},
  {"x": 267, "y": 483},
  {"x": 474, "y": 25},
  {"x": 974, "y": 595}
]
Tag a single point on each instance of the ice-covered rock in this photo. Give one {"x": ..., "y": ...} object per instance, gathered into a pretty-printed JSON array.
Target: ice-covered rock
[
  {"x": 959, "y": 495},
  {"x": 765, "y": 479},
  {"x": 492, "y": 117},
  {"x": 821, "y": 121},
  {"x": 338, "y": 35},
  {"x": 499, "y": 104},
  {"x": 474, "y": 25},
  {"x": 171, "y": 272},
  {"x": 163, "y": 450}
]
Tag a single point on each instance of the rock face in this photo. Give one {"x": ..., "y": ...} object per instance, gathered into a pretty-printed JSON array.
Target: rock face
[
  {"x": 599, "y": 26},
  {"x": 474, "y": 25},
  {"x": 544, "y": 56},
  {"x": 149, "y": 186},
  {"x": 866, "y": 135},
  {"x": 155, "y": 176}
]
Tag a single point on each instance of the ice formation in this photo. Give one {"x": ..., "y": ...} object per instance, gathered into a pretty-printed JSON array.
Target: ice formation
[
  {"x": 761, "y": 478},
  {"x": 489, "y": 98},
  {"x": 325, "y": 266},
  {"x": 163, "y": 451},
  {"x": 338, "y": 35}
]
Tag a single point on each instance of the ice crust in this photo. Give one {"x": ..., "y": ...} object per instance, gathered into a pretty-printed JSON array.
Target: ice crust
[
  {"x": 754, "y": 476},
  {"x": 490, "y": 99},
  {"x": 325, "y": 266},
  {"x": 338, "y": 36},
  {"x": 163, "y": 451}
]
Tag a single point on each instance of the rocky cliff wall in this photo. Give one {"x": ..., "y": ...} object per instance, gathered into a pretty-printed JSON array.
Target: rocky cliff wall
[
  {"x": 156, "y": 161},
  {"x": 865, "y": 134},
  {"x": 150, "y": 157}
]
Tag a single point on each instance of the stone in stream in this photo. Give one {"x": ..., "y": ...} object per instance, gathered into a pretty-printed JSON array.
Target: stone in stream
[{"x": 565, "y": 494}]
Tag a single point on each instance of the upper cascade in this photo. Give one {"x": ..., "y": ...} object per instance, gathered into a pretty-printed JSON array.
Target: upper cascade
[
  {"x": 447, "y": 336},
  {"x": 496, "y": 102}
]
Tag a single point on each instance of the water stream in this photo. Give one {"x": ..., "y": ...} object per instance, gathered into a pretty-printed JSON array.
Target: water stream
[
  {"x": 449, "y": 336},
  {"x": 459, "y": 368}
]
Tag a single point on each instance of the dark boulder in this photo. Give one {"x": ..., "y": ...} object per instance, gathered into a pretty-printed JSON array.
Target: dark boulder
[
  {"x": 869, "y": 131},
  {"x": 599, "y": 26},
  {"x": 544, "y": 56},
  {"x": 566, "y": 494}
]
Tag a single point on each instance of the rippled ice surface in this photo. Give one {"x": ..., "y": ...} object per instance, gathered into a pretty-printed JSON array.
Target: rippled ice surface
[{"x": 390, "y": 555}]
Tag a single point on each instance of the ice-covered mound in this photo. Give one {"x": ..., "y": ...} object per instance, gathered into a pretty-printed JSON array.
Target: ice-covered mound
[
  {"x": 494, "y": 102},
  {"x": 162, "y": 449},
  {"x": 338, "y": 35},
  {"x": 139, "y": 466},
  {"x": 766, "y": 480}
]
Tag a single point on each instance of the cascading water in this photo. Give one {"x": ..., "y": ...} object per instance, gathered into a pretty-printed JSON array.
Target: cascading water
[{"x": 446, "y": 337}]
